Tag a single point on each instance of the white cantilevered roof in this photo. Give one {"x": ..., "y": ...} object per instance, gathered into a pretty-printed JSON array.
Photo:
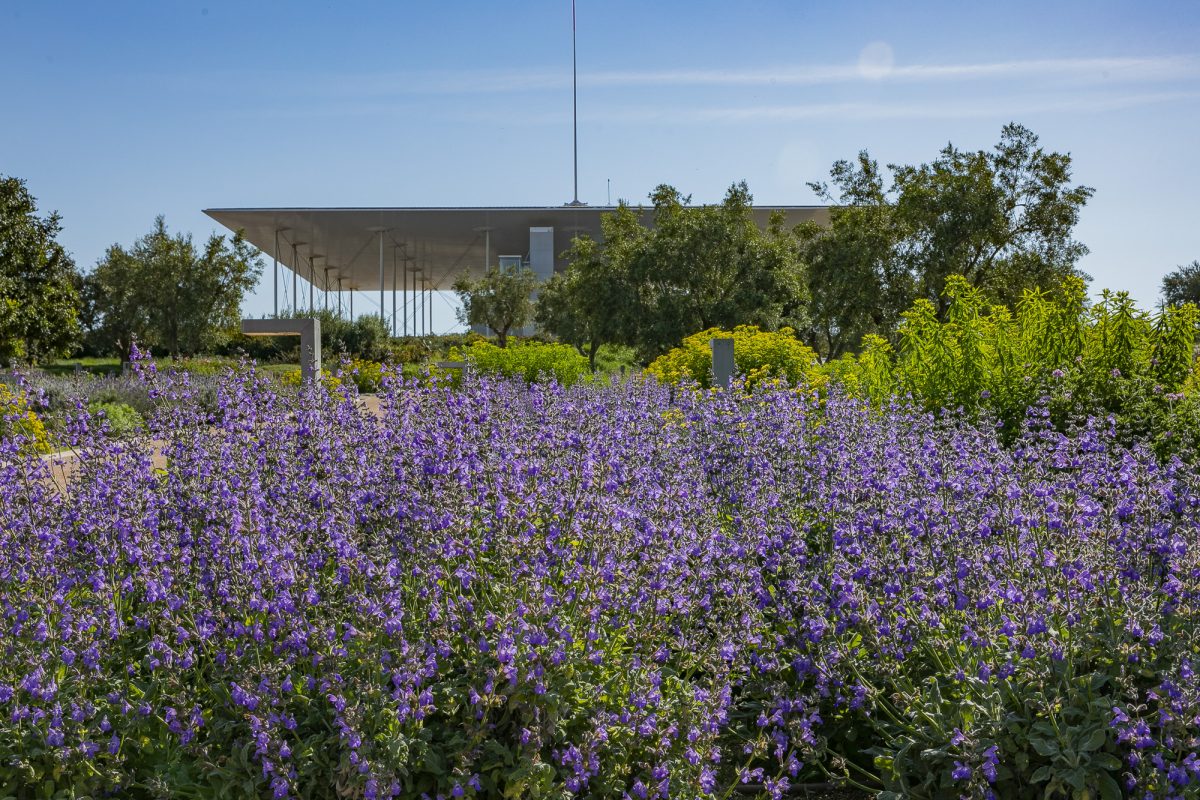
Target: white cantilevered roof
[{"x": 442, "y": 243}]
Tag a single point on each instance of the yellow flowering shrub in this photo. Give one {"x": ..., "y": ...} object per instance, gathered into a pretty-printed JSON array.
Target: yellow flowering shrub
[
  {"x": 295, "y": 377},
  {"x": 757, "y": 354},
  {"x": 364, "y": 374},
  {"x": 17, "y": 419},
  {"x": 533, "y": 361}
]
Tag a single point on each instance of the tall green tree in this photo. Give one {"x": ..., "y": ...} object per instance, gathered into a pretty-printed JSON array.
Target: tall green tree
[
  {"x": 166, "y": 293},
  {"x": 594, "y": 301},
  {"x": 857, "y": 284},
  {"x": 693, "y": 268},
  {"x": 501, "y": 300},
  {"x": 1182, "y": 285},
  {"x": 1002, "y": 218},
  {"x": 39, "y": 298}
]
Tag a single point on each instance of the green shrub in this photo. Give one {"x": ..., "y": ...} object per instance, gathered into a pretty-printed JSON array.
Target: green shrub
[
  {"x": 1109, "y": 358},
  {"x": 615, "y": 358},
  {"x": 122, "y": 420},
  {"x": 529, "y": 360},
  {"x": 759, "y": 355},
  {"x": 208, "y": 365},
  {"x": 422, "y": 349}
]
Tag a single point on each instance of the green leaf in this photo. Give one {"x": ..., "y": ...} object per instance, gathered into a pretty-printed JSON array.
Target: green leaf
[
  {"x": 1041, "y": 774},
  {"x": 1094, "y": 741},
  {"x": 1045, "y": 747},
  {"x": 1077, "y": 778},
  {"x": 1109, "y": 788}
]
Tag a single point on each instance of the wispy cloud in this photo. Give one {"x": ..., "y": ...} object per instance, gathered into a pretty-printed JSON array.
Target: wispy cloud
[
  {"x": 1104, "y": 69},
  {"x": 1009, "y": 107},
  {"x": 989, "y": 107},
  {"x": 1100, "y": 70}
]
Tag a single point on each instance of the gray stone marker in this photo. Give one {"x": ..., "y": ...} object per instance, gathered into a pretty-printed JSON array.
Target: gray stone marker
[
  {"x": 722, "y": 362},
  {"x": 309, "y": 331}
]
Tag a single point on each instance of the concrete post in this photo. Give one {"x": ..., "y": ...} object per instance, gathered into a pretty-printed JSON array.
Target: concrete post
[
  {"x": 309, "y": 331},
  {"x": 722, "y": 362}
]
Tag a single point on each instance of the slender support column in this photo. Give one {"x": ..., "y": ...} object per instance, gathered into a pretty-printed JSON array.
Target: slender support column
[
  {"x": 352, "y": 304},
  {"x": 275, "y": 272},
  {"x": 382, "y": 311},
  {"x": 295, "y": 274},
  {"x": 339, "y": 296},
  {"x": 393, "y": 292},
  {"x": 312, "y": 283},
  {"x": 325, "y": 288}
]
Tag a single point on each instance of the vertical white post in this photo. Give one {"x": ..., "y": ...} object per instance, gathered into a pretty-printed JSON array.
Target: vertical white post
[
  {"x": 339, "y": 296},
  {"x": 312, "y": 283},
  {"x": 393, "y": 292},
  {"x": 574, "y": 106},
  {"x": 295, "y": 278},
  {"x": 275, "y": 271},
  {"x": 382, "y": 308}
]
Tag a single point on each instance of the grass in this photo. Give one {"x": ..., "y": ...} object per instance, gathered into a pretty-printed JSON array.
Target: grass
[
  {"x": 96, "y": 366},
  {"x": 112, "y": 366}
]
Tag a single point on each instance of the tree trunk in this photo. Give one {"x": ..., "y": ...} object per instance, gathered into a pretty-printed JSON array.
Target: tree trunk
[
  {"x": 502, "y": 336},
  {"x": 593, "y": 347}
]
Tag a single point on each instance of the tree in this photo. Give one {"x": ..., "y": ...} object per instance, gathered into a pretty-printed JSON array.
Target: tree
[
  {"x": 500, "y": 300},
  {"x": 163, "y": 292},
  {"x": 39, "y": 299},
  {"x": 1182, "y": 285},
  {"x": 857, "y": 285},
  {"x": 695, "y": 268},
  {"x": 593, "y": 302},
  {"x": 1002, "y": 218}
]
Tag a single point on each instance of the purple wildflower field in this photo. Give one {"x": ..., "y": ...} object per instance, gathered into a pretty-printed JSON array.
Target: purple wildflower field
[{"x": 626, "y": 590}]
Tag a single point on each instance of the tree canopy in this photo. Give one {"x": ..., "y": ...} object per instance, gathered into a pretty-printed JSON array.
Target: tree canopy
[
  {"x": 1002, "y": 218},
  {"x": 1182, "y": 285},
  {"x": 39, "y": 296},
  {"x": 500, "y": 300},
  {"x": 594, "y": 301},
  {"x": 166, "y": 293},
  {"x": 694, "y": 268}
]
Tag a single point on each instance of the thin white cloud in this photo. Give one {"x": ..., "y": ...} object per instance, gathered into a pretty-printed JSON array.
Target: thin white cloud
[
  {"x": 1103, "y": 69},
  {"x": 1108, "y": 70},
  {"x": 1010, "y": 107},
  {"x": 956, "y": 109}
]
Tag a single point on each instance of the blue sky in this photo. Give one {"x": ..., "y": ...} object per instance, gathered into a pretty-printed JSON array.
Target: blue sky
[{"x": 115, "y": 112}]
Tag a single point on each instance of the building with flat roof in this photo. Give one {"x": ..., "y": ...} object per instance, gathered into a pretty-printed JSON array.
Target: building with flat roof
[{"x": 405, "y": 254}]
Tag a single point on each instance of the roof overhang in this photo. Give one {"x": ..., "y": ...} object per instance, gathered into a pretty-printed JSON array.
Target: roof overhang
[{"x": 370, "y": 249}]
